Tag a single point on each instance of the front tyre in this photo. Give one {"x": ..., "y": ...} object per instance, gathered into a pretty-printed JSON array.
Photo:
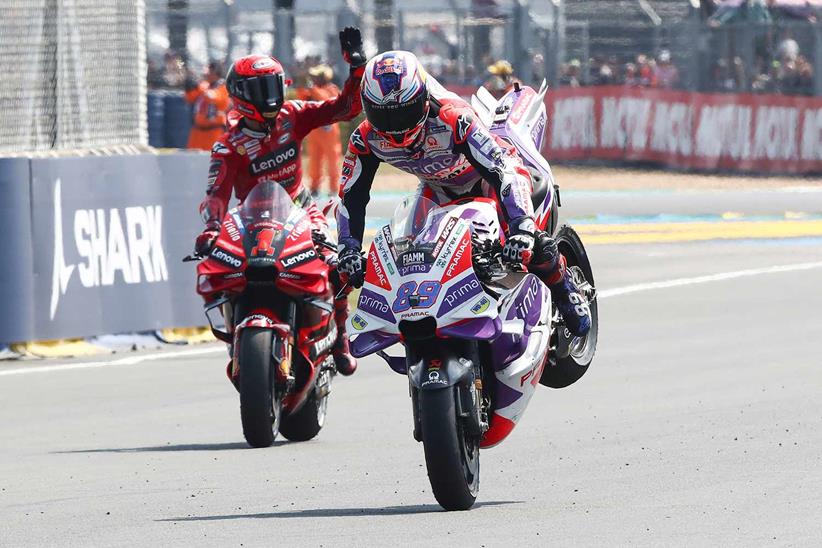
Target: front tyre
[
  {"x": 451, "y": 455},
  {"x": 574, "y": 354},
  {"x": 259, "y": 410}
]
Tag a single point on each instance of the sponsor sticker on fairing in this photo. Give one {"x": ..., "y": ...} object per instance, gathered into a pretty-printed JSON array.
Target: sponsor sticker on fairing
[
  {"x": 375, "y": 273},
  {"x": 226, "y": 257},
  {"x": 443, "y": 257},
  {"x": 381, "y": 247},
  {"x": 446, "y": 232},
  {"x": 296, "y": 259},
  {"x": 358, "y": 322},
  {"x": 481, "y": 306},
  {"x": 375, "y": 305},
  {"x": 413, "y": 258},
  {"x": 389, "y": 239}
]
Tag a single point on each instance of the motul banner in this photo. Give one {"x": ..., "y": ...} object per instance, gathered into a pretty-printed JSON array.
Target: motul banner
[{"x": 760, "y": 133}]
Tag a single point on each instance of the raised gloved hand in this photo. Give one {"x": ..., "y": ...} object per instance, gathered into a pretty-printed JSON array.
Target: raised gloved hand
[
  {"x": 351, "y": 44},
  {"x": 519, "y": 245},
  {"x": 206, "y": 240},
  {"x": 350, "y": 263}
]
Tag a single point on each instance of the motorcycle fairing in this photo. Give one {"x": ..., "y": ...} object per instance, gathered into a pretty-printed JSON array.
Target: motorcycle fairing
[
  {"x": 518, "y": 354},
  {"x": 520, "y": 118},
  {"x": 446, "y": 288},
  {"x": 223, "y": 269}
]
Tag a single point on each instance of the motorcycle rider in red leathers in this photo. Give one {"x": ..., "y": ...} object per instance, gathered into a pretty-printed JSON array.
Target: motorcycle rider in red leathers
[{"x": 263, "y": 144}]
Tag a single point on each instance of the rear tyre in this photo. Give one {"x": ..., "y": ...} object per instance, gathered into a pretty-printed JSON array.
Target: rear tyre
[
  {"x": 309, "y": 419},
  {"x": 574, "y": 354},
  {"x": 259, "y": 411},
  {"x": 451, "y": 455}
]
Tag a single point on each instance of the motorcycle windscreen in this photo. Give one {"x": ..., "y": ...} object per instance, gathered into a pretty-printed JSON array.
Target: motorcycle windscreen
[
  {"x": 415, "y": 221},
  {"x": 268, "y": 214}
]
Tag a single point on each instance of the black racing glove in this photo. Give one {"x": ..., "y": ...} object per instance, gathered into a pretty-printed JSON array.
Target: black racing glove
[
  {"x": 351, "y": 44},
  {"x": 206, "y": 240},
  {"x": 352, "y": 265}
]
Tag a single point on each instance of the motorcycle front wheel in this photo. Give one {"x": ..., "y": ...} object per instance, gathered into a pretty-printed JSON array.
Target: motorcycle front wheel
[
  {"x": 451, "y": 454},
  {"x": 259, "y": 409}
]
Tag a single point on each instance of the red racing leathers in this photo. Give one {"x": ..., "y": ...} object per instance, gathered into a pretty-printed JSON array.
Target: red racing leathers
[{"x": 241, "y": 158}]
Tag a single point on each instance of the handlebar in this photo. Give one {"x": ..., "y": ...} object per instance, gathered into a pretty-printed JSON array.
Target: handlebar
[{"x": 193, "y": 257}]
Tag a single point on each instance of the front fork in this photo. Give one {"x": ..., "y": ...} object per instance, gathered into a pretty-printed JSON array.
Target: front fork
[
  {"x": 461, "y": 369},
  {"x": 282, "y": 342}
]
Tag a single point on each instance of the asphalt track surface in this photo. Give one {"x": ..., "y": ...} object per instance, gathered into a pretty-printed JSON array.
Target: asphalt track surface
[{"x": 698, "y": 424}]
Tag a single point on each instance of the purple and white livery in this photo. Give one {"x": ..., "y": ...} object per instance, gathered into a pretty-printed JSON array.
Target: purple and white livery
[{"x": 479, "y": 336}]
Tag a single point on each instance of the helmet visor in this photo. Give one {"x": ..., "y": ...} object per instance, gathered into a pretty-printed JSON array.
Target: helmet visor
[
  {"x": 264, "y": 92},
  {"x": 397, "y": 119}
]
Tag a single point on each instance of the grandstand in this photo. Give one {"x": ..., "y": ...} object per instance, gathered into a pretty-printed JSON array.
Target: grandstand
[{"x": 620, "y": 28}]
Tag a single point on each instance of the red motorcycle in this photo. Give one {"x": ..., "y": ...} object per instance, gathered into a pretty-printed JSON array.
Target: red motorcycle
[{"x": 268, "y": 296}]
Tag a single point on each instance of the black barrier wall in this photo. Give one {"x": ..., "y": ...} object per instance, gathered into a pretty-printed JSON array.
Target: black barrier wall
[{"x": 97, "y": 243}]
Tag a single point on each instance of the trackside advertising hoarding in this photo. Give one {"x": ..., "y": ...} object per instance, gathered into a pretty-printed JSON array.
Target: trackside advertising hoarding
[
  {"x": 97, "y": 243},
  {"x": 738, "y": 132}
]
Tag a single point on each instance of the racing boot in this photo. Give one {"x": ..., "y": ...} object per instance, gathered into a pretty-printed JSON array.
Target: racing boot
[
  {"x": 346, "y": 363},
  {"x": 549, "y": 265}
]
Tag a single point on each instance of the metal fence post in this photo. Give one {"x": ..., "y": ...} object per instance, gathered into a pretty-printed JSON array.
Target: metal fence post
[
  {"x": 284, "y": 36},
  {"x": 817, "y": 61}
]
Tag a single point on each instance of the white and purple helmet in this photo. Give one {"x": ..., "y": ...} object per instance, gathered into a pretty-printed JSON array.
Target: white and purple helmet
[{"x": 395, "y": 96}]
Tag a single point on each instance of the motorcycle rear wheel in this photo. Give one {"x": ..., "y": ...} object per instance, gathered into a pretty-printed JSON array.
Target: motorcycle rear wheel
[
  {"x": 451, "y": 455},
  {"x": 259, "y": 410},
  {"x": 574, "y": 354},
  {"x": 307, "y": 422}
]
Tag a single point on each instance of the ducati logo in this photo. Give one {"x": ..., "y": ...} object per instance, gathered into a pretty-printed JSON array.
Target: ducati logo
[{"x": 114, "y": 243}]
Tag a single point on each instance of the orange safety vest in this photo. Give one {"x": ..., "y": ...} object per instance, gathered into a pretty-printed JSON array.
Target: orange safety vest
[{"x": 210, "y": 108}]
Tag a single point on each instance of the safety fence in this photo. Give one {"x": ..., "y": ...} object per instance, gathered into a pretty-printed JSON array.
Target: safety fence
[
  {"x": 93, "y": 245},
  {"x": 735, "y": 132}
]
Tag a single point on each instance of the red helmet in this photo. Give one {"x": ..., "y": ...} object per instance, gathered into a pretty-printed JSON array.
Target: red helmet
[{"x": 257, "y": 85}]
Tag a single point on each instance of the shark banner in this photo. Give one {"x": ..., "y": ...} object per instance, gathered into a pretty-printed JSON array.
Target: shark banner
[{"x": 106, "y": 237}]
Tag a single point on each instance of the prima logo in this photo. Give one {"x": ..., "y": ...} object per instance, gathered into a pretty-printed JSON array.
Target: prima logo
[
  {"x": 528, "y": 299},
  {"x": 116, "y": 242},
  {"x": 367, "y": 302},
  {"x": 469, "y": 287}
]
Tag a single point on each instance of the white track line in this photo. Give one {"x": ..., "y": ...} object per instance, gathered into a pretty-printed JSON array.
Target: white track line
[
  {"x": 617, "y": 291},
  {"x": 131, "y": 360},
  {"x": 705, "y": 279}
]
